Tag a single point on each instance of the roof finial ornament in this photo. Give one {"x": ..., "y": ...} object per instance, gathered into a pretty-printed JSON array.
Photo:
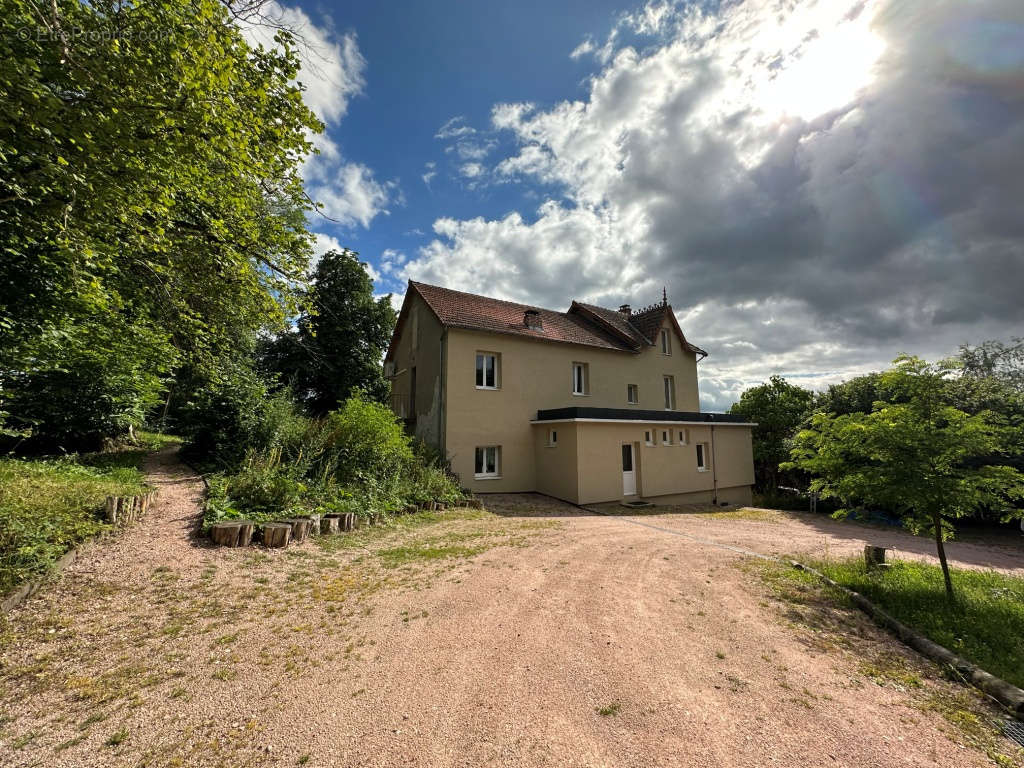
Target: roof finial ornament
[{"x": 664, "y": 297}]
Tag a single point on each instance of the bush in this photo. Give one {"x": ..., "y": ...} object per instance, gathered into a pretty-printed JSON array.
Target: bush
[
  {"x": 357, "y": 460},
  {"x": 366, "y": 442},
  {"x": 234, "y": 416},
  {"x": 47, "y": 507}
]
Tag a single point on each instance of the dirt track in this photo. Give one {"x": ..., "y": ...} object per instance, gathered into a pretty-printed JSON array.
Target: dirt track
[{"x": 539, "y": 638}]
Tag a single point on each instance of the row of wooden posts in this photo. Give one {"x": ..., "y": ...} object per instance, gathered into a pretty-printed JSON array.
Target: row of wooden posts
[
  {"x": 125, "y": 510},
  {"x": 240, "y": 533}
]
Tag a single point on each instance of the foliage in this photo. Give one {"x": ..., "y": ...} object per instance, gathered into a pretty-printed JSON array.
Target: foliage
[
  {"x": 48, "y": 506},
  {"x": 233, "y": 412},
  {"x": 150, "y": 200},
  {"x": 778, "y": 408},
  {"x": 985, "y": 625},
  {"x": 338, "y": 343},
  {"x": 919, "y": 457},
  {"x": 368, "y": 442},
  {"x": 856, "y": 395},
  {"x": 357, "y": 460}
]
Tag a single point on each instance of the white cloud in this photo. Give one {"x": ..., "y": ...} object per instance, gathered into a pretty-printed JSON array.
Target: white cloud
[
  {"x": 804, "y": 178},
  {"x": 333, "y": 72},
  {"x": 587, "y": 46},
  {"x": 471, "y": 170},
  {"x": 455, "y": 128}
]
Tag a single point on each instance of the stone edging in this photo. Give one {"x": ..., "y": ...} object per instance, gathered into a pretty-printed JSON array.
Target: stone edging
[{"x": 1009, "y": 696}]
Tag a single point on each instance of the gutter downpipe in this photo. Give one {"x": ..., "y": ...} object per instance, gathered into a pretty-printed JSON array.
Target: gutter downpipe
[
  {"x": 714, "y": 468},
  {"x": 441, "y": 415}
]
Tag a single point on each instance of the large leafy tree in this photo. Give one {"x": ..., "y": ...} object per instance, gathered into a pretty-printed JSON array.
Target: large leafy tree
[
  {"x": 336, "y": 347},
  {"x": 149, "y": 182},
  {"x": 917, "y": 455},
  {"x": 777, "y": 407}
]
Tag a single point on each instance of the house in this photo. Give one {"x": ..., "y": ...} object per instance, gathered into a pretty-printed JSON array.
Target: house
[{"x": 589, "y": 405}]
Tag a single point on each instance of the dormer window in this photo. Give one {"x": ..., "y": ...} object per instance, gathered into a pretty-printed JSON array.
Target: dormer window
[{"x": 666, "y": 342}]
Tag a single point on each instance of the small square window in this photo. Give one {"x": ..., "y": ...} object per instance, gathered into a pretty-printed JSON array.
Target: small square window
[
  {"x": 647, "y": 438},
  {"x": 552, "y": 438},
  {"x": 487, "y": 370},
  {"x": 684, "y": 437},
  {"x": 666, "y": 437},
  {"x": 488, "y": 462},
  {"x": 632, "y": 394}
]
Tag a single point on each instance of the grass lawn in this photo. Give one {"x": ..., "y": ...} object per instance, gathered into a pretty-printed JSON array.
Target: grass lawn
[
  {"x": 48, "y": 506},
  {"x": 985, "y": 626}
]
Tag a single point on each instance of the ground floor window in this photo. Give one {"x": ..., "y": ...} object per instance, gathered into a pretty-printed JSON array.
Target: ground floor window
[
  {"x": 684, "y": 436},
  {"x": 552, "y": 438},
  {"x": 647, "y": 438},
  {"x": 666, "y": 437},
  {"x": 488, "y": 462},
  {"x": 702, "y": 457}
]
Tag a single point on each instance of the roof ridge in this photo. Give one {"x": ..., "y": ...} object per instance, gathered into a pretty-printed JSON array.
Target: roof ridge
[{"x": 486, "y": 298}]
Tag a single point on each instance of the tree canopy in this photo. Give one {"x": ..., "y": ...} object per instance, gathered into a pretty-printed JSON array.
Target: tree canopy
[
  {"x": 150, "y": 200},
  {"x": 916, "y": 455},
  {"x": 778, "y": 408},
  {"x": 337, "y": 345}
]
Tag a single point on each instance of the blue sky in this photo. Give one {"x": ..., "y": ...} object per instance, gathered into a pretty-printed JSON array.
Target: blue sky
[{"x": 819, "y": 185}]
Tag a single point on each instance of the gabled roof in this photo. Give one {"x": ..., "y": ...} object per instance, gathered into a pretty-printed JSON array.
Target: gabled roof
[{"x": 583, "y": 324}]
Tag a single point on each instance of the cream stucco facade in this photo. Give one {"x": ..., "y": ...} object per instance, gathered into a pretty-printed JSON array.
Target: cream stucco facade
[{"x": 433, "y": 370}]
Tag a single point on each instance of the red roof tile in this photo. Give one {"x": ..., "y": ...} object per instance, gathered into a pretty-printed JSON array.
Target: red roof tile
[
  {"x": 480, "y": 313},
  {"x": 584, "y": 324}
]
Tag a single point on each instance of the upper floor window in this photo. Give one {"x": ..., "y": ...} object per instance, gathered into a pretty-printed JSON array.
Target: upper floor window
[
  {"x": 580, "y": 379},
  {"x": 670, "y": 393},
  {"x": 666, "y": 342},
  {"x": 487, "y": 370},
  {"x": 632, "y": 394}
]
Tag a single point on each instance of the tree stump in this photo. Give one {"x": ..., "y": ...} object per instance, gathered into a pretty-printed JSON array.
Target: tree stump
[
  {"x": 348, "y": 521},
  {"x": 245, "y": 529},
  {"x": 315, "y": 523},
  {"x": 874, "y": 557},
  {"x": 225, "y": 534},
  {"x": 300, "y": 528},
  {"x": 330, "y": 524},
  {"x": 276, "y": 535}
]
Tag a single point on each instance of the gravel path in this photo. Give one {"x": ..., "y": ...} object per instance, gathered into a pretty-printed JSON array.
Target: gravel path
[{"x": 539, "y": 637}]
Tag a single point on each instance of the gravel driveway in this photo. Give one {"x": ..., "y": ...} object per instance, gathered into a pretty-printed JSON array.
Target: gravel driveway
[{"x": 536, "y": 637}]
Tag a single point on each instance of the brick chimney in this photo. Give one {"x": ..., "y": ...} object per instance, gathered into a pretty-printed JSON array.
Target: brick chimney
[
  {"x": 531, "y": 319},
  {"x": 626, "y": 310}
]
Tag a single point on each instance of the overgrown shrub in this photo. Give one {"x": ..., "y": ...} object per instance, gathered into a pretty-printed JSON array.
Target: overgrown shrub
[
  {"x": 46, "y": 507},
  {"x": 359, "y": 460}
]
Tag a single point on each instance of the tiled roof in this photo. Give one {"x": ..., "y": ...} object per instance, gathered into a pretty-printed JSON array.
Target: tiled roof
[
  {"x": 467, "y": 310},
  {"x": 584, "y": 324}
]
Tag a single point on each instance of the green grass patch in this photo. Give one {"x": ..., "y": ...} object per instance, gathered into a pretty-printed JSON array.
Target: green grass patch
[
  {"x": 985, "y": 625},
  {"x": 48, "y": 506},
  {"x": 396, "y": 557},
  {"x": 155, "y": 441}
]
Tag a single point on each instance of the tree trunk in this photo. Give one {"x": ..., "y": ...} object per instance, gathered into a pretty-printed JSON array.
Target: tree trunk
[
  {"x": 276, "y": 535},
  {"x": 225, "y": 534},
  {"x": 941, "y": 547}
]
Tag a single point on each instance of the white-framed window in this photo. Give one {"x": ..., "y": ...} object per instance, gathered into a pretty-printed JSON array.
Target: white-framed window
[
  {"x": 488, "y": 374},
  {"x": 670, "y": 393},
  {"x": 666, "y": 342},
  {"x": 488, "y": 462},
  {"x": 580, "y": 379},
  {"x": 552, "y": 438},
  {"x": 666, "y": 437},
  {"x": 632, "y": 394},
  {"x": 702, "y": 457},
  {"x": 684, "y": 437},
  {"x": 648, "y": 439}
]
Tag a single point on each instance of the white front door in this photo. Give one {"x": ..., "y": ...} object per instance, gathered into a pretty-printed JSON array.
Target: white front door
[{"x": 628, "y": 471}]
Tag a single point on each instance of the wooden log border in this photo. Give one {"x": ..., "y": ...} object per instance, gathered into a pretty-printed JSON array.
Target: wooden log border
[
  {"x": 139, "y": 503},
  {"x": 1009, "y": 696},
  {"x": 125, "y": 510}
]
